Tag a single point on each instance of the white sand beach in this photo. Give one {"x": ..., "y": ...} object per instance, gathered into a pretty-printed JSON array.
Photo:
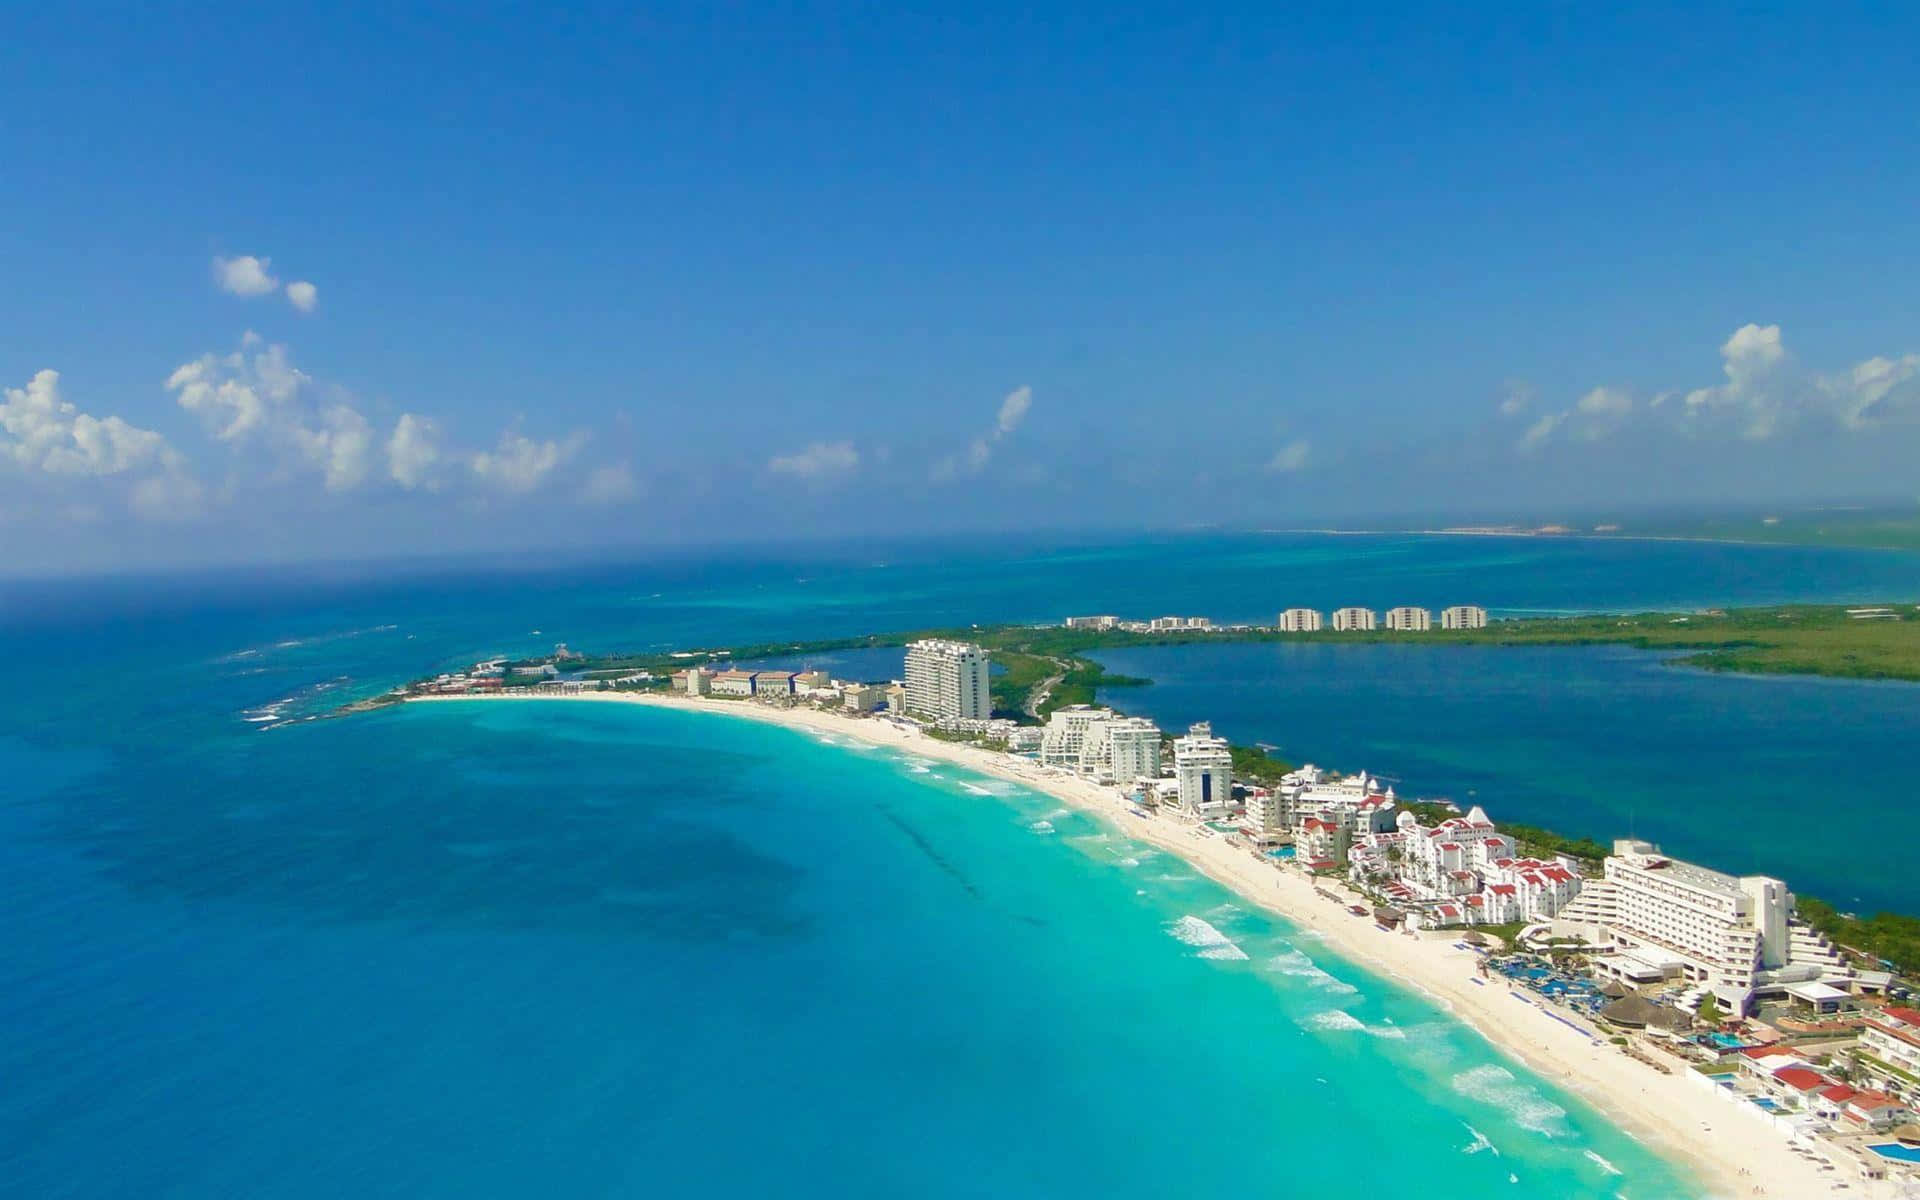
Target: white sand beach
[{"x": 1736, "y": 1155}]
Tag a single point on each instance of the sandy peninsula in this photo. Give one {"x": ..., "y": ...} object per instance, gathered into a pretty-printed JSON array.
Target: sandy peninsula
[{"x": 1736, "y": 1155}]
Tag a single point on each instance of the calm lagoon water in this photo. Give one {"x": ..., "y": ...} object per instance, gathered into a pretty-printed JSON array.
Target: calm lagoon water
[{"x": 1749, "y": 774}]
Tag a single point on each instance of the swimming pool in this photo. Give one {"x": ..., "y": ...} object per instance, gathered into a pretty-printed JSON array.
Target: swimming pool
[
  {"x": 1897, "y": 1152},
  {"x": 1765, "y": 1103}
]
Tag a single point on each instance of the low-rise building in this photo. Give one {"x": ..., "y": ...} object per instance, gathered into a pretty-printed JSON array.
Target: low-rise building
[
  {"x": 732, "y": 682},
  {"x": 1889, "y": 1050},
  {"x": 863, "y": 697},
  {"x": 1409, "y": 620},
  {"x": 1463, "y": 616},
  {"x": 1099, "y": 622},
  {"x": 1300, "y": 620},
  {"x": 1353, "y": 620},
  {"x": 1171, "y": 624},
  {"x": 774, "y": 683}
]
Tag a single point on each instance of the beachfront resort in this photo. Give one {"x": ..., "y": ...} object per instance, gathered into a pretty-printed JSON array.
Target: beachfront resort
[{"x": 1686, "y": 971}]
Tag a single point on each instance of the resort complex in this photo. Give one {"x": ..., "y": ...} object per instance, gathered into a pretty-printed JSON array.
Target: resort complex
[
  {"x": 1352, "y": 619},
  {"x": 1687, "y": 972}
]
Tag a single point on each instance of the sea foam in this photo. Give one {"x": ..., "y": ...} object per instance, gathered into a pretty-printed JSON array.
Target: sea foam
[
  {"x": 1210, "y": 942},
  {"x": 1496, "y": 1087}
]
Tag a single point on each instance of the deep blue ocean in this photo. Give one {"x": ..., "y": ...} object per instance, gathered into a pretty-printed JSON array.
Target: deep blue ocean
[{"x": 566, "y": 950}]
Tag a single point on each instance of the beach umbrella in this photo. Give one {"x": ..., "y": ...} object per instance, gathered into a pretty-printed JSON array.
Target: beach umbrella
[
  {"x": 1613, "y": 989},
  {"x": 1475, "y": 938},
  {"x": 1910, "y": 1134}
]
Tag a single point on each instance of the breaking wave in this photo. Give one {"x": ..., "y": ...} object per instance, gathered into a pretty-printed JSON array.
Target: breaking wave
[
  {"x": 1494, "y": 1085},
  {"x": 1210, "y": 942}
]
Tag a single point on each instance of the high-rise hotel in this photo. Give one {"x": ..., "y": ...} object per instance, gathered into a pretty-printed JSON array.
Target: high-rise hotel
[{"x": 947, "y": 681}]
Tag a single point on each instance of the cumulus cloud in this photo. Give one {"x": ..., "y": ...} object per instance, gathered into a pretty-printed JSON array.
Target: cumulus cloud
[
  {"x": 303, "y": 295},
  {"x": 339, "y": 444},
  {"x": 413, "y": 451},
  {"x": 519, "y": 463},
  {"x": 1764, "y": 392},
  {"x": 240, "y": 394},
  {"x": 979, "y": 451},
  {"x": 819, "y": 463},
  {"x": 42, "y": 433},
  {"x": 244, "y": 275},
  {"x": 1289, "y": 458}
]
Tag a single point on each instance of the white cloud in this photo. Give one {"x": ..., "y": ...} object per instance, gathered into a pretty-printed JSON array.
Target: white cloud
[
  {"x": 1760, "y": 388},
  {"x": 43, "y": 433},
  {"x": 1538, "y": 432},
  {"x": 611, "y": 484},
  {"x": 519, "y": 463},
  {"x": 819, "y": 463},
  {"x": 244, "y": 275},
  {"x": 239, "y": 394},
  {"x": 413, "y": 451},
  {"x": 1290, "y": 457},
  {"x": 1763, "y": 394},
  {"x": 979, "y": 451},
  {"x": 303, "y": 295},
  {"x": 1516, "y": 397},
  {"x": 1013, "y": 410},
  {"x": 340, "y": 445}
]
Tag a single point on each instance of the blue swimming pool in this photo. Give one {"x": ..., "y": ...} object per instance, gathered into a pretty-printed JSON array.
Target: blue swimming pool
[
  {"x": 1282, "y": 852},
  {"x": 1895, "y": 1150},
  {"x": 1765, "y": 1102}
]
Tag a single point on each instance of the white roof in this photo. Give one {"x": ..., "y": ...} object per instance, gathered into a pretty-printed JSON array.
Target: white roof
[{"x": 1813, "y": 993}]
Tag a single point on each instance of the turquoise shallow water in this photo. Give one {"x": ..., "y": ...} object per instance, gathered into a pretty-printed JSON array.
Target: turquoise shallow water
[
  {"x": 499, "y": 952},
  {"x": 715, "y": 959}
]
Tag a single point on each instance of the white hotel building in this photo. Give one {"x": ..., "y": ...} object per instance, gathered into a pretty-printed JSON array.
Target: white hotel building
[
  {"x": 1123, "y": 750},
  {"x": 1735, "y": 936},
  {"x": 1203, "y": 767},
  {"x": 1353, "y": 620},
  {"x": 1065, "y": 736},
  {"x": 1409, "y": 620},
  {"x": 1463, "y": 616},
  {"x": 1299, "y": 620},
  {"x": 947, "y": 681}
]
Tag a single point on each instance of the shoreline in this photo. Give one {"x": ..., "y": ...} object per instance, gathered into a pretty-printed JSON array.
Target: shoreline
[{"x": 1680, "y": 1118}]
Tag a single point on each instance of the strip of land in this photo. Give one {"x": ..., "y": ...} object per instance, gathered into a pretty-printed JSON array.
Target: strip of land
[{"x": 1734, "y": 1153}]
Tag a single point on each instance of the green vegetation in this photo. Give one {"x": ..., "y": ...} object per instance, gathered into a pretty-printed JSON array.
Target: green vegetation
[
  {"x": 1709, "y": 1010},
  {"x": 1537, "y": 843},
  {"x": 1253, "y": 763},
  {"x": 1509, "y": 933},
  {"x": 1888, "y": 937}
]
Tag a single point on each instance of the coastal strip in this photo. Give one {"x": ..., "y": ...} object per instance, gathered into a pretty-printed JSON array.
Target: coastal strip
[{"x": 1735, "y": 1154}]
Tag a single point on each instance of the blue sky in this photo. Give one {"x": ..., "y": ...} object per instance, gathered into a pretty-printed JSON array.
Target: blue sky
[{"x": 722, "y": 272}]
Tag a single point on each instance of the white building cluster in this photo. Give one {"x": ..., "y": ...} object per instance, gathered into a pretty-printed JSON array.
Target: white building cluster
[
  {"x": 1405, "y": 619},
  {"x": 1102, "y": 745},
  {"x": 1661, "y": 918}
]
